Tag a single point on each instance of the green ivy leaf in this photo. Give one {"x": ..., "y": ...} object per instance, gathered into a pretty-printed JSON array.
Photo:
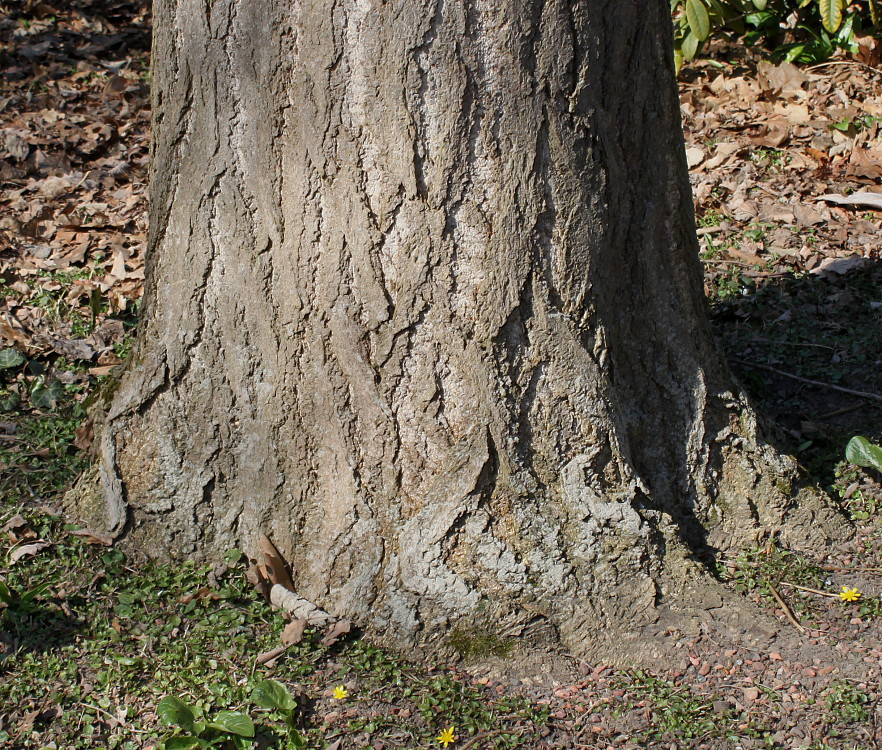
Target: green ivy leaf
[
  {"x": 760, "y": 4},
  {"x": 174, "y": 711},
  {"x": 10, "y": 358},
  {"x": 9, "y": 400},
  {"x": 233, "y": 722},
  {"x": 699, "y": 21},
  {"x": 273, "y": 694},
  {"x": 862, "y": 452},
  {"x": 46, "y": 396},
  {"x": 831, "y": 13}
]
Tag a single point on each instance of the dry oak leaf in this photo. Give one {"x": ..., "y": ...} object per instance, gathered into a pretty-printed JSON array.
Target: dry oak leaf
[
  {"x": 273, "y": 567},
  {"x": 27, "y": 550},
  {"x": 336, "y": 631},
  {"x": 92, "y": 537},
  {"x": 293, "y": 632}
]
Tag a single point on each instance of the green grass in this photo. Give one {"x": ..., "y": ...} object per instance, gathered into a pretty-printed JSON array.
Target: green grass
[
  {"x": 39, "y": 458},
  {"x": 109, "y": 639},
  {"x": 678, "y": 712},
  {"x": 762, "y": 568},
  {"x": 846, "y": 703}
]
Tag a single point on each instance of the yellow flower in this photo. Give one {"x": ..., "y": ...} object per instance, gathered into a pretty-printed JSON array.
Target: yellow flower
[
  {"x": 446, "y": 737},
  {"x": 340, "y": 693},
  {"x": 849, "y": 595}
]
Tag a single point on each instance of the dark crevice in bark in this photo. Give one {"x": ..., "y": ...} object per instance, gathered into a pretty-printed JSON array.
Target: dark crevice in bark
[
  {"x": 418, "y": 112},
  {"x": 168, "y": 175},
  {"x": 543, "y": 229}
]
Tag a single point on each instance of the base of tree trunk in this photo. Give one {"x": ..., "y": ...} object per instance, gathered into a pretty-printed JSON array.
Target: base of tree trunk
[
  {"x": 423, "y": 305},
  {"x": 648, "y": 591}
]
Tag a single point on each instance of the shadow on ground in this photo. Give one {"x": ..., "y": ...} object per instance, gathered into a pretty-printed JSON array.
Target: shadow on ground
[
  {"x": 39, "y": 630},
  {"x": 106, "y": 30},
  {"x": 825, "y": 328}
]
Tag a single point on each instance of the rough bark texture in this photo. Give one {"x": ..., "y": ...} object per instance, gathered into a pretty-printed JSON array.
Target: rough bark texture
[{"x": 424, "y": 306}]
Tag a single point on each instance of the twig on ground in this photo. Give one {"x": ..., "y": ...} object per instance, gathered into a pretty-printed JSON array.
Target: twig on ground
[
  {"x": 831, "y": 63},
  {"x": 116, "y": 719},
  {"x": 790, "y": 343},
  {"x": 787, "y": 611},
  {"x": 782, "y": 373},
  {"x": 811, "y": 591},
  {"x": 840, "y": 412},
  {"x": 726, "y": 262}
]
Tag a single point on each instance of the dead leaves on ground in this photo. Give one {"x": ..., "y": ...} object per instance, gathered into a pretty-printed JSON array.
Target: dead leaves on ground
[
  {"x": 74, "y": 117},
  {"x": 764, "y": 143}
]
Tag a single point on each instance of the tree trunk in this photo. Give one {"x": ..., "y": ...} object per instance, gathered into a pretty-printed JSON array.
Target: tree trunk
[{"x": 424, "y": 306}]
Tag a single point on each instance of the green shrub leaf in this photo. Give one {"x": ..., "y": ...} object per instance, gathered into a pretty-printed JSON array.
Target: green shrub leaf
[
  {"x": 689, "y": 47},
  {"x": 831, "y": 13},
  {"x": 862, "y": 452},
  {"x": 233, "y": 722},
  {"x": 181, "y": 743},
  {"x": 29, "y": 596},
  {"x": 273, "y": 694},
  {"x": 699, "y": 21},
  {"x": 5, "y": 594},
  {"x": 174, "y": 711}
]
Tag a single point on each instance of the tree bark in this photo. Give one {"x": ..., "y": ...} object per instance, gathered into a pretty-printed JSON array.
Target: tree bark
[{"x": 424, "y": 306}]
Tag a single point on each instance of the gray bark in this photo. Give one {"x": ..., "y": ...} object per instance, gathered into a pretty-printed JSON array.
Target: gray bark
[{"x": 424, "y": 306}]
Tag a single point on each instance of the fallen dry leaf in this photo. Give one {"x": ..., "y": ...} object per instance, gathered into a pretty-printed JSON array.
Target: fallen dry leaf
[
  {"x": 16, "y": 522},
  {"x": 694, "y": 156},
  {"x": 861, "y": 200},
  {"x": 84, "y": 435},
  {"x": 92, "y": 537},
  {"x": 293, "y": 632},
  {"x": 335, "y": 632},
  {"x": 841, "y": 266},
  {"x": 273, "y": 567},
  {"x": 267, "y": 656},
  {"x": 203, "y": 593},
  {"x": 27, "y": 550}
]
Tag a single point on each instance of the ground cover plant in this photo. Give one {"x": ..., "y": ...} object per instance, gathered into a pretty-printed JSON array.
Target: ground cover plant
[
  {"x": 805, "y": 31},
  {"x": 102, "y": 650}
]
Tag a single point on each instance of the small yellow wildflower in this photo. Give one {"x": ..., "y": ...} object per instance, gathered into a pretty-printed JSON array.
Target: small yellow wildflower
[
  {"x": 849, "y": 595},
  {"x": 446, "y": 737},
  {"x": 340, "y": 692}
]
